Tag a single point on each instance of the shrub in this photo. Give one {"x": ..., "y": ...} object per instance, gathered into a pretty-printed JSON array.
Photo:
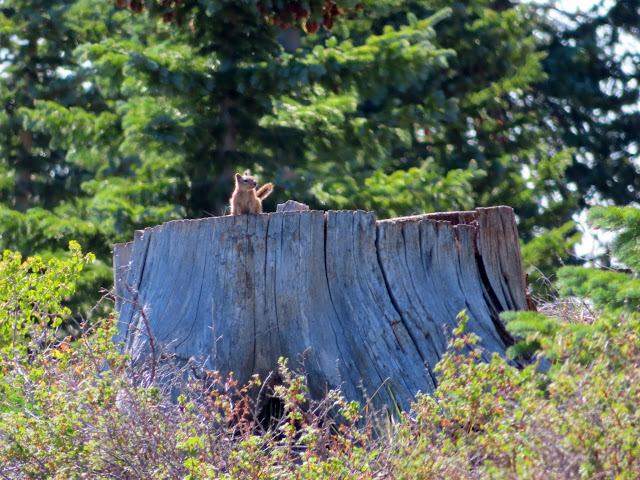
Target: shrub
[
  {"x": 31, "y": 298},
  {"x": 77, "y": 409}
]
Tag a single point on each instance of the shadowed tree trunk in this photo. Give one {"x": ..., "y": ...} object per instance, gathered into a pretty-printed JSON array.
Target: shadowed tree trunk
[{"x": 359, "y": 304}]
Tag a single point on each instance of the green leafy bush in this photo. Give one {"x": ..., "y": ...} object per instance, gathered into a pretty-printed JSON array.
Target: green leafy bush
[
  {"x": 32, "y": 294},
  {"x": 578, "y": 420}
]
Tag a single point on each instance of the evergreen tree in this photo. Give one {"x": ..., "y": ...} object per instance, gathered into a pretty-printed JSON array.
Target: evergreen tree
[
  {"x": 51, "y": 115},
  {"x": 38, "y": 39},
  {"x": 588, "y": 105},
  {"x": 611, "y": 290},
  {"x": 591, "y": 97},
  {"x": 613, "y": 294},
  {"x": 122, "y": 115},
  {"x": 363, "y": 113},
  {"x": 482, "y": 120},
  {"x": 36, "y": 45},
  {"x": 208, "y": 110}
]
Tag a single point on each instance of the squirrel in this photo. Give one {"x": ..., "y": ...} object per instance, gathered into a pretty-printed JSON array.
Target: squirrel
[{"x": 245, "y": 197}]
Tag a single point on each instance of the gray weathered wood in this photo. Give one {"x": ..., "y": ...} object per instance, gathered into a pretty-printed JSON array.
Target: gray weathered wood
[
  {"x": 291, "y": 206},
  {"x": 363, "y": 305}
]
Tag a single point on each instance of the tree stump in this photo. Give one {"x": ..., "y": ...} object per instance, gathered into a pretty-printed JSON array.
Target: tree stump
[{"x": 362, "y": 305}]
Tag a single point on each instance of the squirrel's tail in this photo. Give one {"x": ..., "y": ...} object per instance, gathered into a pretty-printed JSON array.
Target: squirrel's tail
[{"x": 264, "y": 191}]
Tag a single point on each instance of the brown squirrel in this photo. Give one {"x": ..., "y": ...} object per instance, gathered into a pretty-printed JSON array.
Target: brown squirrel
[{"x": 245, "y": 198}]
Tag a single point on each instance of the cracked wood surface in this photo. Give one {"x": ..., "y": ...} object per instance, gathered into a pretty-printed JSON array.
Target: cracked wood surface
[{"x": 362, "y": 305}]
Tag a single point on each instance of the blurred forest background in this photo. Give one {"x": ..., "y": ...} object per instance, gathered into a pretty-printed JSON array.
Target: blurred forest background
[{"x": 115, "y": 116}]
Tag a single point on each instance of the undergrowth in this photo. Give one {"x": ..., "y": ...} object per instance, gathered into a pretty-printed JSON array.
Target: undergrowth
[{"x": 77, "y": 409}]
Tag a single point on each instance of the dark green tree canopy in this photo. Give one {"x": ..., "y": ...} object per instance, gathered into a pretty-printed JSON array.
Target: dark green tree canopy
[{"x": 591, "y": 98}]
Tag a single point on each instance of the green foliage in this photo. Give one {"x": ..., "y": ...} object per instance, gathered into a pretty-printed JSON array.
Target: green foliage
[
  {"x": 591, "y": 94},
  {"x": 613, "y": 292},
  {"x": 576, "y": 421},
  {"x": 60, "y": 136},
  {"x": 49, "y": 401},
  {"x": 63, "y": 415},
  {"x": 449, "y": 119},
  {"x": 420, "y": 189},
  {"x": 48, "y": 233},
  {"x": 32, "y": 295},
  {"x": 79, "y": 410},
  {"x": 530, "y": 326},
  {"x": 625, "y": 223},
  {"x": 542, "y": 255}
]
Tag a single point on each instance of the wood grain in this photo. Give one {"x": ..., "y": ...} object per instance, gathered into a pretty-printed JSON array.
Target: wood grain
[{"x": 362, "y": 305}]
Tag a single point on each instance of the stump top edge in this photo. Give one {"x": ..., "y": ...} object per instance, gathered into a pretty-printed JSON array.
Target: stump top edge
[
  {"x": 453, "y": 218},
  {"x": 120, "y": 246}
]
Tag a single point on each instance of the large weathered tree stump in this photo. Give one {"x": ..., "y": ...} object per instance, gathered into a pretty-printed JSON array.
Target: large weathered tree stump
[{"x": 365, "y": 306}]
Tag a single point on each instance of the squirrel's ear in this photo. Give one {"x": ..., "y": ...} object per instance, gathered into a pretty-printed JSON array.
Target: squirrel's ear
[
  {"x": 238, "y": 176},
  {"x": 247, "y": 172}
]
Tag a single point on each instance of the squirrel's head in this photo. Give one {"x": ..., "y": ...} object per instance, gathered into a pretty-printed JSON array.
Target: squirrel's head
[{"x": 246, "y": 181}]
